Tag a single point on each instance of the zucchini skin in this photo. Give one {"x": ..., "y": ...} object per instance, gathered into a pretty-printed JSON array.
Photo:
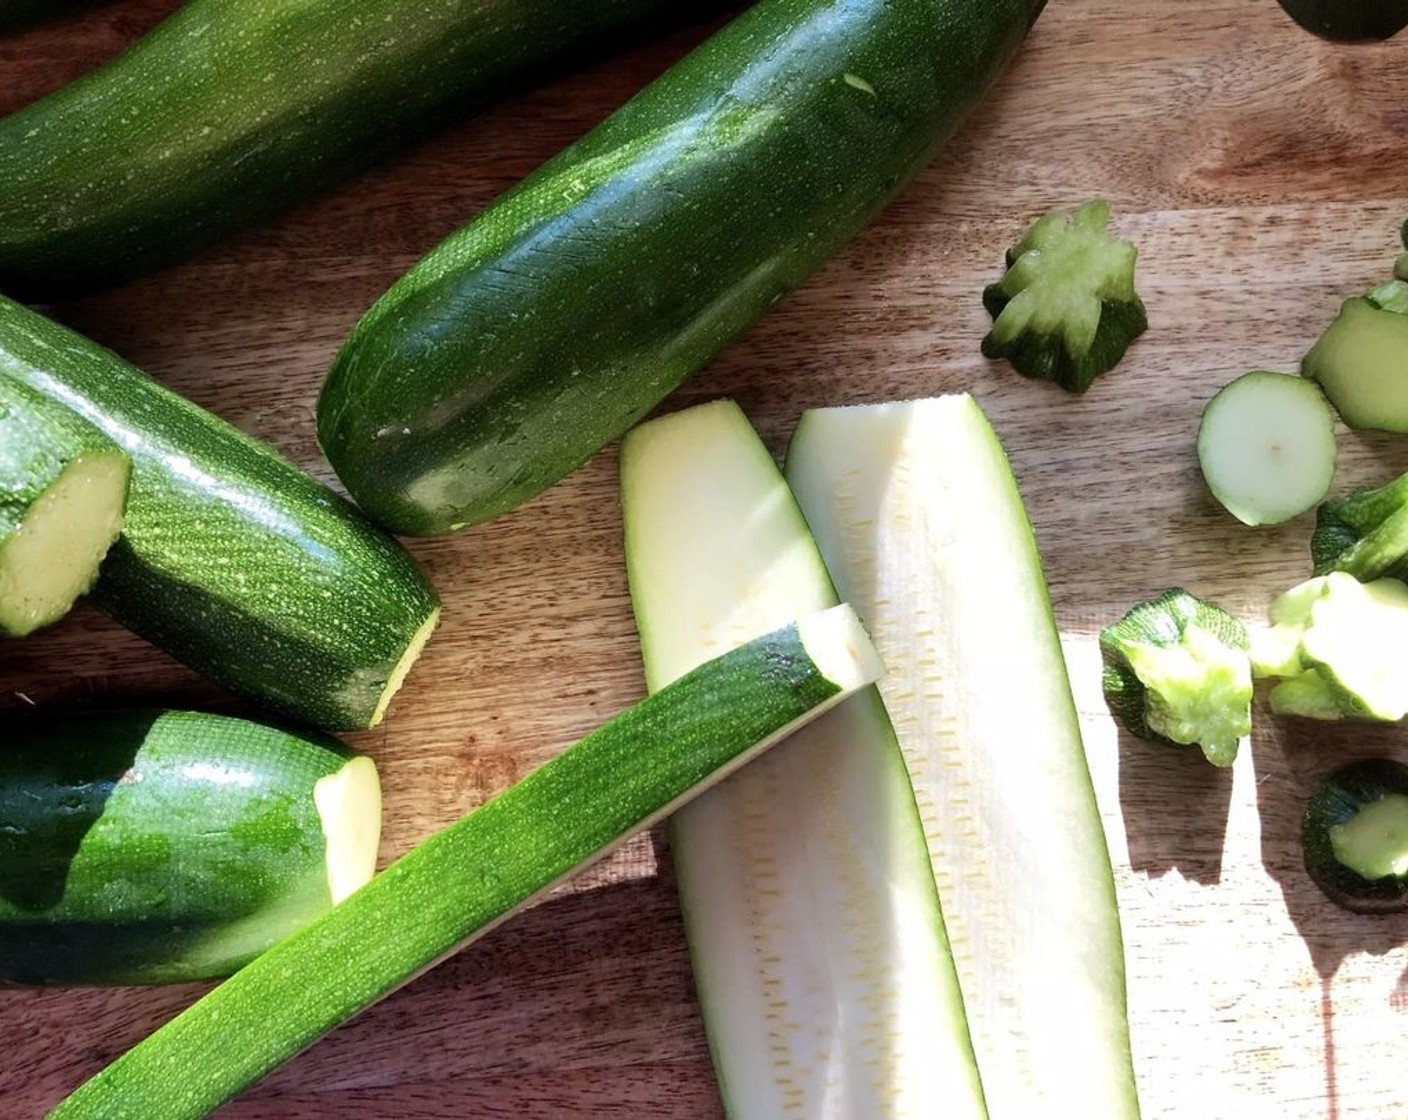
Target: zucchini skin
[
  {"x": 155, "y": 847},
  {"x": 230, "y": 112},
  {"x": 233, "y": 560},
  {"x": 575, "y": 303}
]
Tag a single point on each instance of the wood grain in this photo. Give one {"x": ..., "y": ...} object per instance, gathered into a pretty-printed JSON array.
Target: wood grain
[{"x": 1259, "y": 170}]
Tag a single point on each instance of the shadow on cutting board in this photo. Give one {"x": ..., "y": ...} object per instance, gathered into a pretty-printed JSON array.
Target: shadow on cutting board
[
  {"x": 1175, "y": 809},
  {"x": 1291, "y": 758}
]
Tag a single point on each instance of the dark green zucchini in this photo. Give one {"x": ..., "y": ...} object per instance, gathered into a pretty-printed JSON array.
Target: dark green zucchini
[
  {"x": 570, "y": 307},
  {"x": 1354, "y": 837},
  {"x": 156, "y": 847},
  {"x": 63, "y": 490},
  {"x": 228, "y": 113},
  {"x": 1349, "y": 20},
  {"x": 232, "y": 559}
]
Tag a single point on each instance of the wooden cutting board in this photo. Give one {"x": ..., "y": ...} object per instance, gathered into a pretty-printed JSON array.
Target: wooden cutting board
[{"x": 1260, "y": 172}]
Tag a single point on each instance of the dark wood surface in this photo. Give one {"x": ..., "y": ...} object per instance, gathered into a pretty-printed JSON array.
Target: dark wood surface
[{"x": 1261, "y": 173}]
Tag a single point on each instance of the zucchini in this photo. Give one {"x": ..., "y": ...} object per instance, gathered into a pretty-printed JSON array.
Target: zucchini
[
  {"x": 1178, "y": 669},
  {"x": 233, "y": 560},
  {"x": 1066, "y": 309},
  {"x": 157, "y": 847},
  {"x": 1365, "y": 533},
  {"x": 918, "y": 517},
  {"x": 229, "y": 113},
  {"x": 1334, "y": 648},
  {"x": 819, "y": 949},
  {"x": 474, "y": 874},
  {"x": 63, "y": 490},
  {"x": 571, "y": 306},
  {"x": 1354, "y": 837},
  {"x": 1361, "y": 361}
]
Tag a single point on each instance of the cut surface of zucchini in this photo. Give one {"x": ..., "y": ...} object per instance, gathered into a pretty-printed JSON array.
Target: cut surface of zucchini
[
  {"x": 1266, "y": 446},
  {"x": 818, "y": 947},
  {"x": 54, "y": 557},
  {"x": 917, "y": 515},
  {"x": 63, "y": 496}
]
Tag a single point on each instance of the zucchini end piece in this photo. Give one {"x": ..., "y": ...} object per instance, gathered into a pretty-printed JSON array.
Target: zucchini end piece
[
  {"x": 1354, "y": 837},
  {"x": 1066, "y": 310},
  {"x": 1361, "y": 361},
  {"x": 1339, "y": 642},
  {"x": 1178, "y": 670}
]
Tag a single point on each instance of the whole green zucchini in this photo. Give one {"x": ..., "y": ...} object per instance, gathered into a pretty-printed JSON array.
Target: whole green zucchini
[
  {"x": 228, "y": 113},
  {"x": 232, "y": 559},
  {"x": 157, "y": 847},
  {"x": 570, "y": 307},
  {"x": 63, "y": 490}
]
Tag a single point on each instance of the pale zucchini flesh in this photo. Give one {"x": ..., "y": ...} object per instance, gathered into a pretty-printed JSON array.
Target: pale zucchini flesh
[
  {"x": 63, "y": 494},
  {"x": 818, "y": 947},
  {"x": 231, "y": 559},
  {"x": 471, "y": 876},
  {"x": 920, "y": 522}
]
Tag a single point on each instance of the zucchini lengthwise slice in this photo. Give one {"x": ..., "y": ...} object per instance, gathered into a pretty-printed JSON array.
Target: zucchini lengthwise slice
[
  {"x": 63, "y": 490},
  {"x": 918, "y": 517},
  {"x": 469, "y": 877},
  {"x": 819, "y": 950},
  {"x": 156, "y": 847},
  {"x": 541, "y": 331},
  {"x": 232, "y": 559},
  {"x": 229, "y": 113}
]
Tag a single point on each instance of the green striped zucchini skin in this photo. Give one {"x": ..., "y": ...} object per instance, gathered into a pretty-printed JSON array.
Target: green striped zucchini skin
[
  {"x": 228, "y": 113},
  {"x": 470, "y": 876},
  {"x": 233, "y": 560},
  {"x": 53, "y": 464},
  {"x": 155, "y": 847},
  {"x": 566, "y": 310}
]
